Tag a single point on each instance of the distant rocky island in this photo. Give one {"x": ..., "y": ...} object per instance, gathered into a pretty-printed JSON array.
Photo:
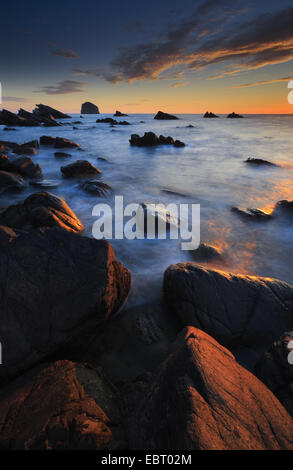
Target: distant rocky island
[{"x": 89, "y": 108}]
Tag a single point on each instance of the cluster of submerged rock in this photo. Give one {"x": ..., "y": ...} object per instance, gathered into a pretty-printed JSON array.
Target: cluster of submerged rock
[{"x": 150, "y": 139}]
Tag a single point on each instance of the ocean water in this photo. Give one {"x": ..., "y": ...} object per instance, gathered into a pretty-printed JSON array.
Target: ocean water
[{"x": 209, "y": 171}]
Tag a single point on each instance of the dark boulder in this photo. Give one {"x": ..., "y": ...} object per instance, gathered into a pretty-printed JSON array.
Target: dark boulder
[
  {"x": 60, "y": 142},
  {"x": 234, "y": 116},
  {"x": 11, "y": 119},
  {"x": 164, "y": 116},
  {"x": 10, "y": 182},
  {"x": 21, "y": 165},
  {"x": 284, "y": 207},
  {"x": 148, "y": 140},
  {"x": 25, "y": 151},
  {"x": 178, "y": 143},
  {"x": 57, "y": 288},
  {"x": 210, "y": 115},
  {"x": 119, "y": 114},
  {"x": 80, "y": 169},
  {"x": 113, "y": 122},
  {"x": 97, "y": 188},
  {"x": 202, "y": 399},
  {"x": 252, "y": 214},
  {"x": 41, "y": 210},
  {"x": 89, "y": 108},
  {"x": 47, "y": 140},
  {"x": 42, "y": 111},
  {"x": 275, "y": 369},
  {"x": 259, "y": 162},
  {"x": 166, "y": 140},
  {"x": 9, "y": 145},
  {"x": 9, "y": 129},
  {"x": 62, "y": 155},
  {"x": 207, "y": 254},
  {"x": 60, "y": 406},
  {"x": 244, "y": 313}
]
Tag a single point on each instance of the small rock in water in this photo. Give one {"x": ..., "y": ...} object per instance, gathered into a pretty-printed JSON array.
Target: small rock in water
[
  {"x": 102, "y": 159},
  {"x": 210, "y": 115},
  {"x": 253, "y": 214},
  {"x": 97, "y": 188},
  {"x": 259, "y": 161},
  {"x": 178, "y": 143},
  {"x": 21, "y": 165},
  {"x": 47, "y": 140},
  {"x": 25, "y": 151},
  {"x": 62, "y": 155},
  {"x": 80, "y": 169},
  {"x": 119, "y": 114},
  {"x": 9, "y": 129},
  {"x": 150, "y": 139},
  {"x": 60, "y": 142},
  {"x": 234, "y": 116},
  {"x": 207, "y": 254},
  {"x": 164, "y": 116},
  {"x": 284, "y": 206}
]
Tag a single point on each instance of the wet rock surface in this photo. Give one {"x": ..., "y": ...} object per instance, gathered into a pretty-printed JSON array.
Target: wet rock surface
[
  {"x": 41, "y": 210},
  {"x": 96, "y": 188},
  {"x": 275, "y": 370},
  {"x": 201, "y": 398},
  {"x": 80, "y": 169},
  {"x": 60, "y": 406},
  {"x": 244, "y": 313},
  {"x": 57, "y": 287},
  {"x": 150, "y": 139}
]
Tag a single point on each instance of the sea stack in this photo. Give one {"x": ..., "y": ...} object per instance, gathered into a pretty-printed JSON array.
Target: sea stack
[
  {"x": 89, "y": 108},
  {"x": 164, "y": 116}
]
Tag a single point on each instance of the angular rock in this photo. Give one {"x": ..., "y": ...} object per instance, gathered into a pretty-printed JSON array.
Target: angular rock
[
  {"x": 41, "y": 210},
  {"x": 166, "y": 140},
  {"x": 148, "y": 140},
  {"x": 244, "y": 313},
  {"x": 202, "y": 399},
  {"x": 97, "y": 188},
  {"x": 252, "y": 214},
  {"x": 42, "y": 110},
  {"x": 11, "y": 119},
  {"x": 259, "y": 162},
  {"x": 57, "y": 287},
  {"x": 275, "y": 370},
  {"x": 164, "y": 116},
  {"x": 80, "y": 169},
  {"x": 234, "y": 116},
  {"x": 10, "y": 182},
  {"x": 89, "y": 108},
  {"x": 210, "y": 115},
  {"x": 60, "y": 406}
]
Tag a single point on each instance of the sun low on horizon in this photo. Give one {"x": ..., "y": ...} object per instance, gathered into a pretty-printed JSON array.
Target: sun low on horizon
[{"x": 204, "y": 56}]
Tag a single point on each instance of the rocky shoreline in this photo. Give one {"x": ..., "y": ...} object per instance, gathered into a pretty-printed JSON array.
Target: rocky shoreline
[{"x": 207, "y": 368}]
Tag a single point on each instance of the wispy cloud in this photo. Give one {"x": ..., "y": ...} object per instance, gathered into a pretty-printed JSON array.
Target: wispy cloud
[
  {"x": 263, "y": 82},
  {"x": 63, "y": 88},
  {"x": 13, "y": 99},
  {"x": 215, "y": 33},
  {"x": 63, "y": 53},
  {"x": 178, "y": 84}
]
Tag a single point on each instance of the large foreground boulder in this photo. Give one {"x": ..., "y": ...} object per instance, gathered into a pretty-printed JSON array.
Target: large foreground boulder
[
  {"x": 10, "y": 182},
  {"x": 275, "y": 369},
  {"x": 41, "y": 210},
  {"x": 60, "y": 406},
  {"x": 56, "y": 287},
  {"x": 202, "y": 399},
  {"x": 89, "y": 108},
  {"x": 244, "y": 313}
]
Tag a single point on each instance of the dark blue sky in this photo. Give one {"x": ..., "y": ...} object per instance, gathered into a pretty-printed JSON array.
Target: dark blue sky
[{"x": 71, "y": 50}]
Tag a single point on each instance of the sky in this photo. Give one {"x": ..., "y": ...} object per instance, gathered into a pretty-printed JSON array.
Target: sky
[{"x": 139, "y": 57}]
